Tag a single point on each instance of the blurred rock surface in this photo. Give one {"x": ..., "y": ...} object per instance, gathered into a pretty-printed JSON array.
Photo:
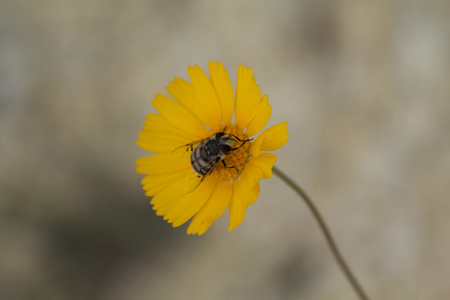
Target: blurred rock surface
[{"x": 363, "y": 85}]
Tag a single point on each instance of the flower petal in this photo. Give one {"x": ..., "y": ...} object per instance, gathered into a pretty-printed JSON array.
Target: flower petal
[
  {"x": 212, "y": 209},
  {"x": 265, "y": 163},
  {"x": 159, "y": 135},
  {"x": 224, "y": 90},
  {"x": 154, "y": 184},
  {"x": 248, "y": 97},
  {"x": 162, "y": 164},
  {"x": 252, "y": 174},
  {"x": 162, "y": 170},
  {"x": 165, "y": 200},
  {"x": 180, "y": 117},
  {"x": 254, "y": 195},
  {"x": 185, "y": 94},
  {"x": 197, "y": 227},
  {"x": 261, "y": 117},
  {"x": 191, "y": 203},
  {"x": 270, "y": 139},
  {"x": 218, "y": 203},
  {"x": 206, "y": 95},
  {"x": 241, "y": 191},
  {"x": 250, "y": 178}
]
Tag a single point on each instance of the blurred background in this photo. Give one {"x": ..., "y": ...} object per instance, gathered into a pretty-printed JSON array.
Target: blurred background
[{"x": 364, "y": 86}]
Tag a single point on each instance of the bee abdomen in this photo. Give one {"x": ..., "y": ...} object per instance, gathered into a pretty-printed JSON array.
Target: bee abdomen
[{"x": 199, "y": 164}]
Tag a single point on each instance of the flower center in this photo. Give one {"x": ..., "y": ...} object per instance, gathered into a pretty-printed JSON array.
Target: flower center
[{"x": 235, "y": 161}]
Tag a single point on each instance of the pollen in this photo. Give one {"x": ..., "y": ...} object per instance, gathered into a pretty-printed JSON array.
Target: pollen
[{"x": 234, "y": 162}]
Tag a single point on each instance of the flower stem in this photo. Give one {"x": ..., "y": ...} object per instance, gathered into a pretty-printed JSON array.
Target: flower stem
[{"x": 356, "y": 286}]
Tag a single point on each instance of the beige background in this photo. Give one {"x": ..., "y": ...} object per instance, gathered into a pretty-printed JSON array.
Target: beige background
[{"x": 364, "y": 86}]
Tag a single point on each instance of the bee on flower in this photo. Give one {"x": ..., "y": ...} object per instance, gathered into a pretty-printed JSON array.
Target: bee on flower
[{"x": 204, "y": 161}]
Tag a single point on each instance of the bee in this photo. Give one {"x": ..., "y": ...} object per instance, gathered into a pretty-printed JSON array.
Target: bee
[{"x": 206, "y": 154}]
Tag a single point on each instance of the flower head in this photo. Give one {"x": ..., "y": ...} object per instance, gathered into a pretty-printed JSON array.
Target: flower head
[{"x": 205, "y": 161}]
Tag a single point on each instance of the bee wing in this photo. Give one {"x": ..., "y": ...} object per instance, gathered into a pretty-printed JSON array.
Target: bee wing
[
  {"x": 186, "y": 150},
  {"x": 195, "y": 179},
  {"x": 193, "y": 182}
]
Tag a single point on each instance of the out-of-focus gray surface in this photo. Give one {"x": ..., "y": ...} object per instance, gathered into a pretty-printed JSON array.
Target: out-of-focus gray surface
[{"x": 364, "y": 86}]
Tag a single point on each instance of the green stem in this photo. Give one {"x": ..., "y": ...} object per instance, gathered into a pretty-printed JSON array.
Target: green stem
[{"x": 356, "y": 286}]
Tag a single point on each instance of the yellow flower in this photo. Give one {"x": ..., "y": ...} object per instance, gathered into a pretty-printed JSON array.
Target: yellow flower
[{"x": 202, "y": 109}]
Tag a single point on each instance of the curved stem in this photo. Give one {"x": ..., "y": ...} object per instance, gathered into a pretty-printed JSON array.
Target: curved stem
[{"x": 356, "y": 286}]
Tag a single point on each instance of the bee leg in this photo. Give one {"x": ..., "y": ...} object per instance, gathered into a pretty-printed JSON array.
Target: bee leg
[
  {"x": 229, "y": 167},
  {"x": 247, "y": 140},
  {"x": 240, "y": 144},
  {"x": 242, "y": 141}
]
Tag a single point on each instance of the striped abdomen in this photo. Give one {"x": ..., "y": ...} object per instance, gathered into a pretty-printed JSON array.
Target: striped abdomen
[{"x": 201, "y": 162}]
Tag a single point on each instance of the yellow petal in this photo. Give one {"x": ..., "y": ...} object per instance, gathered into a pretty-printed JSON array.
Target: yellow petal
[
  {"x": 159, "y": 135},
  {"x": 252, "y": 196},
  {"x": 212, "y": 209},
  {"x": 191, "y": 203},
  {"x": 162, "y": 170},
  {"x": 251, "y": 174},
  {"x": 206, "y": 95},
  {"x": 157, "y": 142},
  {"x": 178, "y": 116},
  {"x": 261, "y": 117},
  {"x": 265, "y": 163},
  {"x": 275, "y": 137},
  {"x": 218, "y": 203},
  {"x": 185, "y": 94},
  {"x": 154, "y": 184},
  {"x": 222, "y": 85},
  {"x": 248, "y": 97},
  {"x": 162, "y": 164},
  {"x": 270, "y": 139},
  {"x": 197, "y": 227},
  {"x": 255, "y": 146},
  {"x": 165, "y": 200},
  {"x": 241, "y": 192}
]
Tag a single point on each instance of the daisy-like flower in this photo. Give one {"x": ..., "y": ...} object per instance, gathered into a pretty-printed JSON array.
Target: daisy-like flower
[{"x": 202, "y": 109}]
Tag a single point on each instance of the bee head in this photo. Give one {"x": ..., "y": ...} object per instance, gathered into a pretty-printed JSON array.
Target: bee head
[{"x": 225, "y": 142}]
